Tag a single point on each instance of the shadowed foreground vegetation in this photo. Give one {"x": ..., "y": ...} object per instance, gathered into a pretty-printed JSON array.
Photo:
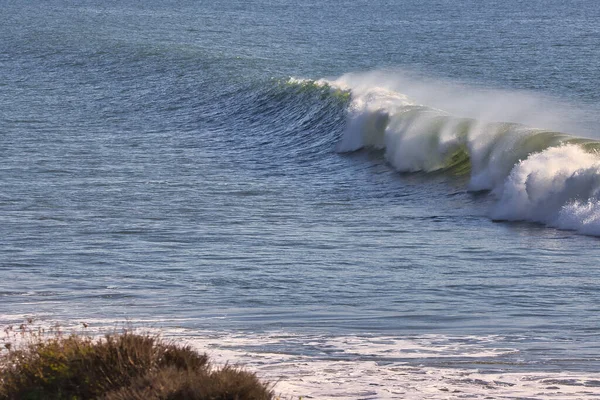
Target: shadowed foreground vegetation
[{"x": 120, "y": 366}]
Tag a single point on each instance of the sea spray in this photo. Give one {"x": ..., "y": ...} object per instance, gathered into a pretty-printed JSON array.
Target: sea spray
[
  {"x": 508, "y": 141},
  {"x": 559, "y": 187}
]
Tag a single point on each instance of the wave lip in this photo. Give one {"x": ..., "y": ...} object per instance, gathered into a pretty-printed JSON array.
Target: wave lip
[{"x": 538, "y": 175}]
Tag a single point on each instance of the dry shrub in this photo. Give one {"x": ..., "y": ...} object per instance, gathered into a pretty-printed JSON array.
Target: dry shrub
[
  {"x": 120, "y": 366},
  {"x": 172, "y": 384}
]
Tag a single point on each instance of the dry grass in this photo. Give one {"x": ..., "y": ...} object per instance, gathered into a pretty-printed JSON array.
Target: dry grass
[
  {"x": 173, "y": 384},
  {"x": 118, "y": 367}
]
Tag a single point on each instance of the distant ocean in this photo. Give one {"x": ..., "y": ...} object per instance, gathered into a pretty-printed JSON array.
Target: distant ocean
[{"x": 355, "y": 199}]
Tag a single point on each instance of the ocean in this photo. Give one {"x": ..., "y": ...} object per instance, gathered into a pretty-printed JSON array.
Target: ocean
[{"x": 356, "y": 200}]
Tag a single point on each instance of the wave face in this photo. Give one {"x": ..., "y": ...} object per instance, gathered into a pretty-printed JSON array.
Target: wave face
[{"x": 537, "y": 174}]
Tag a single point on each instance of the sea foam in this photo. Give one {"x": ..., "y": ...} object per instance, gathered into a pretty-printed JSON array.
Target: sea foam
[{"x": 511, "y": 143}]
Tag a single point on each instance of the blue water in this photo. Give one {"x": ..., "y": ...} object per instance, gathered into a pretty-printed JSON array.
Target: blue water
[{"x": 263, "y": 166}]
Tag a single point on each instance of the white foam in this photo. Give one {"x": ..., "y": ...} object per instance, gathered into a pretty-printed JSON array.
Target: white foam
[
  {"x": 351, "y": 367},
  {"x": 473, "y": 101},
  {"x": 558, "y": 187},
  {"x": 581, "y": 216},
  {"x": 534, "y": 177},
  {"x": 372, "y": 367}
]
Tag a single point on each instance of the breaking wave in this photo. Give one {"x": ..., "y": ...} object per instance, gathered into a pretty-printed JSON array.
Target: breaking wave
[{"x": 537, "y": 174}]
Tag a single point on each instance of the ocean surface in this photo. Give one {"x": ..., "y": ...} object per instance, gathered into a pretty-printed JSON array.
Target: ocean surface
[{"x": 355, "y": 199}]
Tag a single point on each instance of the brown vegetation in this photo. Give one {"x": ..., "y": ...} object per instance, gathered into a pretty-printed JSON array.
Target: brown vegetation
[{"x": 118, "y": 367}]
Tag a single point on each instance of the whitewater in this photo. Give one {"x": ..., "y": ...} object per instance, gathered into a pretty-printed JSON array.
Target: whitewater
[
  {"x": 536, "y": 174},
  {"x": 356, "y": 200}
]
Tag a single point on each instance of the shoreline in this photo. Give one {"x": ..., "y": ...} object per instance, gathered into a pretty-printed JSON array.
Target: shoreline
[{"x": 347, "y": 367}]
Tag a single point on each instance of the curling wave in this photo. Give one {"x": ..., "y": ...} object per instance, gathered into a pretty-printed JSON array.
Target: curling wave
[{"x": 537, "y": 175}]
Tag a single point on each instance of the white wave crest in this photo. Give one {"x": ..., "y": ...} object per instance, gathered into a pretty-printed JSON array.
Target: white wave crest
[
  {"x": 558, "y": 187},
  {"x": 534, "y": 175}
]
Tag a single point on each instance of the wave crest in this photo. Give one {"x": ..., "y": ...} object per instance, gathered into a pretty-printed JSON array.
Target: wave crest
[{"x": 537, "y": 175}]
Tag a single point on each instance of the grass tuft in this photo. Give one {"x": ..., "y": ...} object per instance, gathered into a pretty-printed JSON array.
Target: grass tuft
[
  {"x": 173, "y": 384},
  {"x": 119, "y": 366}
]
